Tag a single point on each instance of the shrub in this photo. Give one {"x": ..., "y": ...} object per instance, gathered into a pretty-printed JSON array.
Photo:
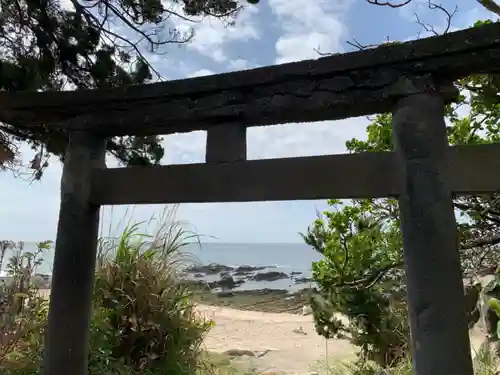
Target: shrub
[
  {"x": 360, "y": 278},
  {"x": 143, "y": 319},
  {"x": 152, "y": 320},
  {"x": 23, "y": 313}
]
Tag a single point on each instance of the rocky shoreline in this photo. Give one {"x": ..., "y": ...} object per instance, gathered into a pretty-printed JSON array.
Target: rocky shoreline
[
  {"x": 264, "y": 300},
  {"x": 234, "y": 277},
  {"x": 222, "y": 285}
]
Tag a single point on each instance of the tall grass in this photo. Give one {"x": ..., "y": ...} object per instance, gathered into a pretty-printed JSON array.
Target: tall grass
[
  {"x": 485, "y": 363},
  {"x": 143, "y": 319},
  {"x": 137, "y": 286}
]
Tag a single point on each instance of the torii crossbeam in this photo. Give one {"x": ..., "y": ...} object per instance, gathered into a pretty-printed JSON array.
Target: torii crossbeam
[{"x": 413, "y": 80}]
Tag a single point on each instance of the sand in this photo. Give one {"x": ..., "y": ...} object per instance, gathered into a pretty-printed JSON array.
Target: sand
[
  {"x": 289, "y": 341},
  {"x": 277, "y": 341}
]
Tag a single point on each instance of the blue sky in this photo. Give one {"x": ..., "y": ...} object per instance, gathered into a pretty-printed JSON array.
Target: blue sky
[{"x": 275, "y": 31}]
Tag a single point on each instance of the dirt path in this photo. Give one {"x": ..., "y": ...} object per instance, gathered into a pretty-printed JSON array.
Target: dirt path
[{"x": 291, "y": 342}]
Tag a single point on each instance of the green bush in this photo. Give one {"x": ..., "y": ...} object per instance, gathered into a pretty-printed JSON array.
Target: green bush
[
  {"x": 152, "y": 323},
  {"x": 360, "y": 278},
  {"x": 23, "y": 314},
  {"x": 143, "y": 319}
]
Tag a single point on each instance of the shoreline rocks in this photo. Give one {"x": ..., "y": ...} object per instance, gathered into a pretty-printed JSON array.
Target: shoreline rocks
[
  {"x": 224, "y": 278},
  {"x": 269, "y": 276},
  {"x": 209, "y": 269},
  {"x": 215, "y": 268}
]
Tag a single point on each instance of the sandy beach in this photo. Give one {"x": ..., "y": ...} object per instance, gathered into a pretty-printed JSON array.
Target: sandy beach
[
  {"x": 280, "y": 342},
  {"x": 287, "y": 342},
  {"x": 268, "y": 341}
]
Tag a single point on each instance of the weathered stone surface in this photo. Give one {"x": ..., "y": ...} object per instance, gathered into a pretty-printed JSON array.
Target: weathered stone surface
[
  {"x": 333, "y": 87},
  {"x": 436, "y": 302},
  {"x": 67, "y": 336}
]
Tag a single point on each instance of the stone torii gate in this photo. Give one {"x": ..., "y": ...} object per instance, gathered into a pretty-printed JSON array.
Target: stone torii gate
[{"x": 413, "y": 80}]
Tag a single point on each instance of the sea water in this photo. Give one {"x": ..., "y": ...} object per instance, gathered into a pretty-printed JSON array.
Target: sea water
[{"x": 287, "y": 258}]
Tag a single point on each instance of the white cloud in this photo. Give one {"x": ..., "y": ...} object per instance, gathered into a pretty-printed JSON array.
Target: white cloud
[
  {"x": 185, "y": 148},
  {"x": 240, "y": 64},
  {"x": 306, "y": 28},
  {"x": 213, "y": 35},
  {"x": 304, "y": 139},
  {"x": 420, "y": 7},
  {"x": 303, "y": 28},
  {"x": 279, "y": 141},
  {"x": 67, "y": 4},
  {"x": 474, "y": 14},
  {"x": 200, "y": 73}
]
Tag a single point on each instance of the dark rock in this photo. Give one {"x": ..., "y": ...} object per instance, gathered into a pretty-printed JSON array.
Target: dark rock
[
  {"x": 270, "y": 276},
  {"x": 303, "y": 280},
  {"x": 262, "y": 292},
  {"x": 209, "y": 269},
  {"x": 249, "y": 268},
  {"x": 242, "y": 273},
  {"x": 226, "y": 283},
  {"x": 296, "y": 273}
]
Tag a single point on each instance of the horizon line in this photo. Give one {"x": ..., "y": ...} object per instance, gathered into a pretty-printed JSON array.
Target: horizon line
[{"x": 202, "y": 242}]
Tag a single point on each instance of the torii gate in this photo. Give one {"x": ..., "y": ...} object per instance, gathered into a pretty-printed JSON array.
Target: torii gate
[{"x": 413, "y": 80}]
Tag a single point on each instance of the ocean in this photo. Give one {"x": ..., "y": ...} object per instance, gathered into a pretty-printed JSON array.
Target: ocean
[{"x": 294, "y": 259}]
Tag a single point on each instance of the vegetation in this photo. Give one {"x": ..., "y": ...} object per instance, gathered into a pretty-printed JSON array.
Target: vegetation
[
  {"x": 23, "y": 312},
  {"x": 143, "y": 319},
  {"x": 353, "y": 239},
  {"x": 361, "y": 275},
  {"x": 51, "y": 45},
  {"x": 485, "y": 363}
]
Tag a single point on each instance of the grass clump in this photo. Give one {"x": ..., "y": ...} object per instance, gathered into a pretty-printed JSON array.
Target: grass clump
[
  {"x": 151, "y": 319},
  {"x": 143, "y": 320}
]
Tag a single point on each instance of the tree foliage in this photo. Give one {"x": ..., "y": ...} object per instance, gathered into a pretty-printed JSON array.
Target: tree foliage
[
  {"x": 48, "y": 45},
  {"x": 361, "y": 275},
  {"x": 353, "y": 239}
]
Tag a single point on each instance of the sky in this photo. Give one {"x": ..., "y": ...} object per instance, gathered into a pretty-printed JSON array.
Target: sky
[{"x": 273, "y": 32}]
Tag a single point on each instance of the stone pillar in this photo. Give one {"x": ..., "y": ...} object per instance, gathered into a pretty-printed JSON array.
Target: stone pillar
[
  {"x": 226, "y": 143},
  {"x": 436, "y": 304},
  {"x": 67, "y": 339}
]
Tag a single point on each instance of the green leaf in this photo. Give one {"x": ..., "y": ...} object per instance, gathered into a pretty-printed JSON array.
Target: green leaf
[{"x": 494, "y": 303}]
